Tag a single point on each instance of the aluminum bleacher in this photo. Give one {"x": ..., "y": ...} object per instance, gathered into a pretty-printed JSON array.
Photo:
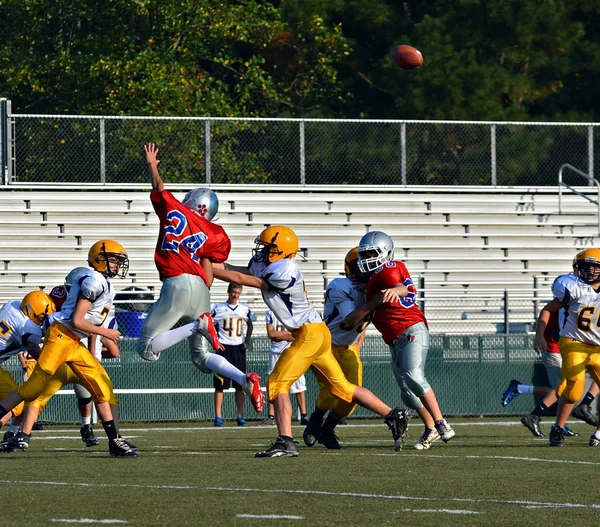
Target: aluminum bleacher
[{"x": 464, "y": 242}]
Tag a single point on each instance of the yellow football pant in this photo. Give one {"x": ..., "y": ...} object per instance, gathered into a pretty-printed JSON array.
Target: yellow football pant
[
  {"x": 7, "y": 385},
  {"x": 63, "y": 376},
  {"x": 349, "y": 359},
  {"x": 577, "y": 357},
  {"x": 311, "y": 348},
  {"x": 62, "y": 346}
]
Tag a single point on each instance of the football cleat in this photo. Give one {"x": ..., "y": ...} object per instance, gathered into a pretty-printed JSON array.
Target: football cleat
[
  {"x": 568, "y": 432},
  {"x": 20, "y": 441},
  {"x": 267, "y": 421},
  {"x": 281, "y": 448},
  {"x": 87, "y": 436},
  {"x": 8, "y": 435},
  {"x": 443, "y": 428},
  {"x": 533, "y": 423},
  {"x": 313, "y": 429},
  {"x": 427, "y": 439},
  {"x": 594, "y": 441},
  {"x": 133, "y": 447},
  {"x": 510, "y": 393},
  {"x": 241, "y": 421},
  {"x": 329, "y": 440},
  {"x": 218, "y": 422},
  {"x": 397, "y": 422},
  {"x": 120, "y": 448},
  {"x": 252, "y": 389},
  {"x": 583, "y": 413},
  {"x": 206, "y": 328},
  {"x": 557, "y": 437}
]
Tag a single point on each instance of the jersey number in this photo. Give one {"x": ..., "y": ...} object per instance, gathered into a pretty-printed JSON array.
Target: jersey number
[
  {"x": 5, "y": 329},
  {"x": 228, "y": 326},
  {"x": 172, "y": 239},
  {"x": 584, "y": 319}
]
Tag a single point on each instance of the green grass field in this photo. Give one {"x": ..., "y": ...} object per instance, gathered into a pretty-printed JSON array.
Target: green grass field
[{"x": 493, "y": 472}]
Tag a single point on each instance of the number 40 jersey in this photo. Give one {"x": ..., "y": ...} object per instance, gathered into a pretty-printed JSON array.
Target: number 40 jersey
[
  {"x": 583, "y": 309},
  {"x": 394, "y": 318}
]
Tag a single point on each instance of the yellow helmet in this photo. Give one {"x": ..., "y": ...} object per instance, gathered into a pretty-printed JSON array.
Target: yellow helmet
[
  {"x": 100, "y": 253},
  {"x": 584, "y": 264},
  {"x": 37, "y": 305},
  {"x": 351, "y": 267},
  {"x": 275, "y": 243}
]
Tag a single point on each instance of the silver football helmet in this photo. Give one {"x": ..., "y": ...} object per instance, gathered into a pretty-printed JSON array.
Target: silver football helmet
[
  {"x": 75, "y": 275},
  {"x": 375, "y": 249},
  {"x": 202, "y": 201}
]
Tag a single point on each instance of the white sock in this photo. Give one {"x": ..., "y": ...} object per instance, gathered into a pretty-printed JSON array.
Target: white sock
[
  {"x": 597, "y": 434},
  {"x": 524, "y": 388},
  {"x": 86, "y": 420},
  {"x": 224, "y": 368},
  {"x": 169, "y": 338}
]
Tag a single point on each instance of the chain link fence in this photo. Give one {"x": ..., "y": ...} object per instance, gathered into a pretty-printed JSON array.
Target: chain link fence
[{"x": 108, "y": 150}]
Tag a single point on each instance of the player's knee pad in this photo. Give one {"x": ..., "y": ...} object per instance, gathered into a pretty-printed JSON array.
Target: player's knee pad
[
  {"x": 199, "y": 360},
  {"x": 34, "y": 386},
  {"x": 416, "y": 382},
  {"x": 84, "y": 400},
  {"x": 574, "y": 389},
  {"x": 411, "y": 400}
]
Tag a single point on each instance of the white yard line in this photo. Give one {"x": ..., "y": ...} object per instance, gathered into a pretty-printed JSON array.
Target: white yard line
[
  {"x": 269, "y": 516},
  {"x": 84, "y": 520},
  {"x": 445, "y": 511},
  {"x": 360, "y": 495}
]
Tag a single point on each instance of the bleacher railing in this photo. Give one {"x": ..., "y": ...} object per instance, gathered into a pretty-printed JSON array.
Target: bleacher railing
[{"x": 107, "y": 151}]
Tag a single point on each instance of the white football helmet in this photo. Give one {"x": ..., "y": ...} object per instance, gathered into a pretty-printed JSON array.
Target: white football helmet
[
  {"x": 203, "y": 202},
  {"x": 375, "y": 249},
  {"x": 75, "y": 275}
]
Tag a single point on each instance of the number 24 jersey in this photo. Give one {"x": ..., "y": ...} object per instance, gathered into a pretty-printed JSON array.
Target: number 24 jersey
[{"x": 581, "y": 320}]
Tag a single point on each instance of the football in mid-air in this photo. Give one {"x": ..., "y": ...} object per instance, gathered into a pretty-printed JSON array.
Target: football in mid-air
[{"x": 406, "y": 57}]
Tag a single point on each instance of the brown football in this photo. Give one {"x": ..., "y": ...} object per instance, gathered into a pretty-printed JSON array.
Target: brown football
[{"x": 406, "y": 57}]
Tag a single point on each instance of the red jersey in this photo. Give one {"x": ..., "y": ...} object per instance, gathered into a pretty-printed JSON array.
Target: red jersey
[
  {"x": 184, "y": 238},
  {"x": 394, "y": 318},
  {"x": 58, "y": 296},
  {"x": 551, "y": 333}
]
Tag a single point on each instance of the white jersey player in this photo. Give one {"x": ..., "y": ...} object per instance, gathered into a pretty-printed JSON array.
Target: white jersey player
[
  {"x": 579, "y": 341},
  {"x": 231, "y": 322},
  {"x": 280, "y": 280}
]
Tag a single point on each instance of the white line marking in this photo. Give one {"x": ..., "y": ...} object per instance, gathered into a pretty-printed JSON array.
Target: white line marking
[
  {"x": 523, "y": 503},
  {"x": 84, "y": 520},
  {"x": 270, "y": 516},
  {"x": 447, "y": 511},
  {"x": 510, "y": 458}
]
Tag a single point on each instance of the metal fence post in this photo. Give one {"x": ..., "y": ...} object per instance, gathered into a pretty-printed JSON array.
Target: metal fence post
[
  {"x": 3, "y": 142},
  {"x": 302, "y": 154},
  {"x": 403, "y": 153},
  {"x": 506, "y": 313},
  {"x": 102, "y": 152},
  {"x": 422, "y": 293},
  {"x": 207, "y": 167},
  {"x": 591, "y": 154},
  {"x": 493, "y": 154},
  {"x": 535, "y": 299}
]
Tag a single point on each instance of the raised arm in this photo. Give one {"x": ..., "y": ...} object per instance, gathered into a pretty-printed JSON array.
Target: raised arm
[
  {"x": 152, "y": 160},
  {"x": 237, "y": 277}
]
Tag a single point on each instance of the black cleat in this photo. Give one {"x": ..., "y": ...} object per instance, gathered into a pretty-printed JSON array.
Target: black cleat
[
  {"x": 557, "y": 437},
  {"x": 583, "y": 413},
  {"x": 87, "y": 436},
  {"x": 533, "y": 423},
  {"x": 281, "y": 448},
  {"x": 329, "y": 440},
  {"x": 120, "y": 448},
  {"x": 568, "y": 432},
  {"x": 594, "y": 441},
  {"x": 397, "y": 422},
  {"x": 313, "y": 429},
  {"x": 304, "y": 420},
  {"x": 19, "y": 441}
]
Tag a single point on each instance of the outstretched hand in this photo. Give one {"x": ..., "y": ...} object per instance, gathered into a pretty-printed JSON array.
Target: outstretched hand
[{"x": 151, "y": 153}]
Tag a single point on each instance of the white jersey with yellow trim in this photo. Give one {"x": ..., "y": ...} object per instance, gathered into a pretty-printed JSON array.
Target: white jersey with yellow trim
[
  {"x": 276, "y": 346},
  {"x": 231, "y": 321},
  {"x": 17, "y": 331},
  {"x": 286, "y": 296},
  {"x": 97, "y": 289},
  {"x": 581, "y": 320},
  {"x": 341, "y": 298}
]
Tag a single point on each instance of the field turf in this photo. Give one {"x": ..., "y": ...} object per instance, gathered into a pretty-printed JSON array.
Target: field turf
[{"x": 493, "y": 473}]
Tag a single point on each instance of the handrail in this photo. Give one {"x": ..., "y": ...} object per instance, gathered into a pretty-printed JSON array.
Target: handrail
[{"x": 593, "y": 181}]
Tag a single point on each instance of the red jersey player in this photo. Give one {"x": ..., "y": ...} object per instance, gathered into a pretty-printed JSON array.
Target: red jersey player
[
  {"x": 187, "y": 244},
  {"x": 404, "y": 328}
]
